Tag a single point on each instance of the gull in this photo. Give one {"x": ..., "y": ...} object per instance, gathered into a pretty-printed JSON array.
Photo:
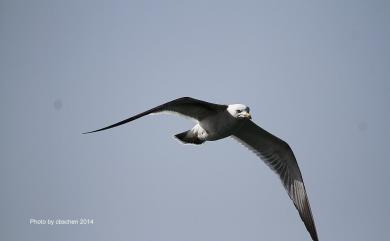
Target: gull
[{"x": 215, "y": 121}]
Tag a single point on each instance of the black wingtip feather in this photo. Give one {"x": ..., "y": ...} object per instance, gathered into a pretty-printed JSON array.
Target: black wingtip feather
[{"x": 89, "y": 132}]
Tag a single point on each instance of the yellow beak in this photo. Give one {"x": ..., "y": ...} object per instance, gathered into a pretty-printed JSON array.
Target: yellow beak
[{"x": 247, "y": 115}]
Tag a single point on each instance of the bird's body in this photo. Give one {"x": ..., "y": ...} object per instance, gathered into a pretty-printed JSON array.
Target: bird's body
[
  {"x": 217, "y": 126},
  {"x": 214, "y": 122}
]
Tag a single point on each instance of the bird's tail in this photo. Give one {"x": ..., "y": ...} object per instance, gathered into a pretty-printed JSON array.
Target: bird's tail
[{"x": 189, "y": 137}]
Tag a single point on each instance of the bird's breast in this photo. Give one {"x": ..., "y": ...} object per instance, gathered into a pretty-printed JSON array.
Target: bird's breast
[{"x": 218, "y": 126}]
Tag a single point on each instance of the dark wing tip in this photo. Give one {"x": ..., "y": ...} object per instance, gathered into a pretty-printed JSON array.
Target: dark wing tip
[
  {"x": 313, "y": 234},
  {"x": 124, "y": 121},
  {"x": 301, "y": 202},
  {"x": 88, "y": 132},
  {"x": 312, "y": 231}
]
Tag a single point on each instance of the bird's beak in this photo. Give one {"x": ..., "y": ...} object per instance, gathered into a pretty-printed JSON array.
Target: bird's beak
[{"x": 247, "y": 115}]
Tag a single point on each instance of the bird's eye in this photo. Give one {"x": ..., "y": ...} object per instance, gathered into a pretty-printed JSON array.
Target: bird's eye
[{"x": 239, "y": 111}]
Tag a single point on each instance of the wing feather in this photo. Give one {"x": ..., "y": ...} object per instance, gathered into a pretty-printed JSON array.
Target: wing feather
[
  {"x": 187, "y": 106},
  {"x": 279, "y": 157}
]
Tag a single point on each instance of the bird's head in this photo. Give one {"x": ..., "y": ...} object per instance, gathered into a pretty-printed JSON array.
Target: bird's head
[{"x": 239, "y": 111}]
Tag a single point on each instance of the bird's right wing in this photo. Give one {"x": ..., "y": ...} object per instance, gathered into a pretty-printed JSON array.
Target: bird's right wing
[
  {"x": 278, "y": 156},
  {"x": 187, "y": 106}
]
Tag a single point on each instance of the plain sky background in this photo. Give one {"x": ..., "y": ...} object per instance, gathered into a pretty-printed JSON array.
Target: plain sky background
[{"x": 314, "y": 73}]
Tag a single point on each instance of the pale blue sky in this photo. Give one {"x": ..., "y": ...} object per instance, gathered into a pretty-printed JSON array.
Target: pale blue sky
[{"x": 313, "y": 73}]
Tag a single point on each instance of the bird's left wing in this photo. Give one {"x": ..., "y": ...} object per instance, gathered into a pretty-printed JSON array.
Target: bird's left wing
[
  {"x": 278, "y": 156},
  {"x": 186, "y": 106}
]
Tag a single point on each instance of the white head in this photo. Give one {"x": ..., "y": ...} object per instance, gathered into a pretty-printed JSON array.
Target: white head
[{"x": 239, "y": 111}]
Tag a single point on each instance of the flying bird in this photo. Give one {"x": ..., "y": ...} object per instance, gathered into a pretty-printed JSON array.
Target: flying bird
[{"x": 215, "y": 121}]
